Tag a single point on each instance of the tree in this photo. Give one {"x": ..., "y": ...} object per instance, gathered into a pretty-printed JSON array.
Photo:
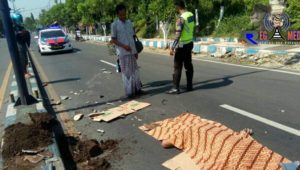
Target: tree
[
  {"x": 293, "y": 9},
  {"x": 30, "y": 24}
]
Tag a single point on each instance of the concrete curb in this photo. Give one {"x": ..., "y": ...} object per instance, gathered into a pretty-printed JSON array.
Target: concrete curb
[
  {"x": 12, "y": 112},
  {"x": 216, "y": 50}
]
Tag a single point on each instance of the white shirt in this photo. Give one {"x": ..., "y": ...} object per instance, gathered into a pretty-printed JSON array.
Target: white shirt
[{"x": 123, "y": 32}]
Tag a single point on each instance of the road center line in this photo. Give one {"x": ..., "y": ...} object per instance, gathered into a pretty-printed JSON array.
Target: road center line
[
  {"x": 106, "y": 62},
  {"x": 262, "y": 120},
  {"x": 252, "y": 67},
  {"x": 5, "y": 83}
]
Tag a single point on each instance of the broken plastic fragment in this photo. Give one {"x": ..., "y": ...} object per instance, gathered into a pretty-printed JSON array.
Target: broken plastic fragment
[
  {"x": 100, "y": 131},
  {"x": 33, "y": 158},
  {"x": 64, "y": 97},
  {"x": 78, "y": 117}
]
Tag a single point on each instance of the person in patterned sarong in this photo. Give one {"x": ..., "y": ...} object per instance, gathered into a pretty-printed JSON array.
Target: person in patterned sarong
[{"x": 122, "y": 35}]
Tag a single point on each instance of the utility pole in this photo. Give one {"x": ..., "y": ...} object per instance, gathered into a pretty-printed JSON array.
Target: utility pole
[
  {"x": 25, "y": 98},
  {"x": 13, "y": 3}
]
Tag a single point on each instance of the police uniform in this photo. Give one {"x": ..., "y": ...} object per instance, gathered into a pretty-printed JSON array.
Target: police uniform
[{"x": 183, "y": 46}]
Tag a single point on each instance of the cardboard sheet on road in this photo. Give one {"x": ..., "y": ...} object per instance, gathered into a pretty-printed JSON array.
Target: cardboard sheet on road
[
  {"x": 180, "y": 162},
  {"x": 125, "y": 109}
]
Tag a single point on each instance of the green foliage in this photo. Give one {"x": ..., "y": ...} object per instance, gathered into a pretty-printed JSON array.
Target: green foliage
[
  {"x": 233, "y": 26},
  {"x": 143, "y": 13},
  {"x": 30, "y": 24},
  {"x": 293, "y": 10}
]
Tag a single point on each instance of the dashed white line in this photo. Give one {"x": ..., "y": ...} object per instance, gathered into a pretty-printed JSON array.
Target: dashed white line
[
  {"x": 257, "y": 68},
  {"x": 106, "y": 62},
  {"x": 262, "y": 120}
]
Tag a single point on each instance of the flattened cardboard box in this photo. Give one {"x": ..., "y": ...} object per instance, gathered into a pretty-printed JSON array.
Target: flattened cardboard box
[
  {"x": 180, "y": 162},
  {"x": 121, "y": 110}
]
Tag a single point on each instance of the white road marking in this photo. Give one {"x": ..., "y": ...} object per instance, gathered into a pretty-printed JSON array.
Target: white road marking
[
  {"x": 40, "y": 107},
  {"x": 11, "y": 111},
  {"x": 262, "y": 120},
  {"x": 106, "y": 62},
  {"x": 258, "y": 68}
]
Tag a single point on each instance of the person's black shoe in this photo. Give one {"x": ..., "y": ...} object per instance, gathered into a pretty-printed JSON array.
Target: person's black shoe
[
  {"x": 173, "y": 91},
  {"x": 189, "y": 89},
  {"x": 140, "y": 92}
]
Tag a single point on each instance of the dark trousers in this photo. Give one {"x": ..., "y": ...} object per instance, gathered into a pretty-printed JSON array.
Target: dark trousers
[{"x": 183, "y": 56}]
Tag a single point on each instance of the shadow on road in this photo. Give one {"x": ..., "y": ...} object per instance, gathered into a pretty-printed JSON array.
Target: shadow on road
[
  {"x": 63, "y": 80},
  {"x": 163, "y": 86},
  {"x": 294, "y": 60},
  {"x": 159, "y": 87}
]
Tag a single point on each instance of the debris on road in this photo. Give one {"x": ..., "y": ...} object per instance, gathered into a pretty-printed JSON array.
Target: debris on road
[
  {"x": 33, "y": 158},
  {"x": 107, "y": 72},
  {"x": 103, "y": 69},
  {"x": 181, "y": 132},
  {"x": 75, "y": 93},
  {"x": 282, "y": 111},
  {"x": 122, "y": 110},
  {"x": 108, "y": 103},
  {"x": 164, "y": 101},
  {"x": 64, "y": 97},
  {"x": 101, "y": 131},
  {"x": 31, "y": 151},
  {"x": 90, "y": 154},
  {"x": 58, "y": 102},
  {"x": 46, "y": 154},
  {"x": 77, "y": 117},
  {"x": 92, "y": 115},
  {"x": 51, "y": 160}
]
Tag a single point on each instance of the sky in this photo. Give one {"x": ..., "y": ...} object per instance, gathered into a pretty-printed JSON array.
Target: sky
[{"x": 32, "y": 6}]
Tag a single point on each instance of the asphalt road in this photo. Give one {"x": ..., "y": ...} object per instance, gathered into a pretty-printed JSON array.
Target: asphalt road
[
  {"x": 4, "y": 58},
  {"x": 271, "y": 95}
]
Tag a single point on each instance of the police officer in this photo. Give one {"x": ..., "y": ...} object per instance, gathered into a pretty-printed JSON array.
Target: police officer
[
  {"x": 182, "y": 47},
  {"x": 23, "y": 40}
]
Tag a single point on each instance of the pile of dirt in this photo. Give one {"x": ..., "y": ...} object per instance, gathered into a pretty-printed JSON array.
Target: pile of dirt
[
  {"x": 92, "y": 155},
  {"x": 21, "y": 136},
  {"x": 85, "y": 150},
  {"x": 109, "y": 144}
]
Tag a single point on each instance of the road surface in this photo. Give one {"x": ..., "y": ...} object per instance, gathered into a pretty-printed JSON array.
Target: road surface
[{"x": 239, "y": 97}]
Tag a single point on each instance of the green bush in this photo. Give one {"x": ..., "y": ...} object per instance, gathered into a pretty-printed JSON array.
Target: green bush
[{"x": 233, "y": 26}]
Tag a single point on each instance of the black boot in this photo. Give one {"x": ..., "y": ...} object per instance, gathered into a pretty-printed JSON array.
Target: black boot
[
  {"x": 176, "y": 81},
  {"x": 189, "y": 79}
]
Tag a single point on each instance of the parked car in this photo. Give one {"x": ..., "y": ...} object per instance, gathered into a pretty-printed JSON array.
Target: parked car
[{"x": 53, "y": 40}]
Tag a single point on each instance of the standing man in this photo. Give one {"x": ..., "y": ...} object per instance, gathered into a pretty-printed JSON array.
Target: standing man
[
  {"x": 183, "y": 46},
  {"x": 122, "y": 35}
]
